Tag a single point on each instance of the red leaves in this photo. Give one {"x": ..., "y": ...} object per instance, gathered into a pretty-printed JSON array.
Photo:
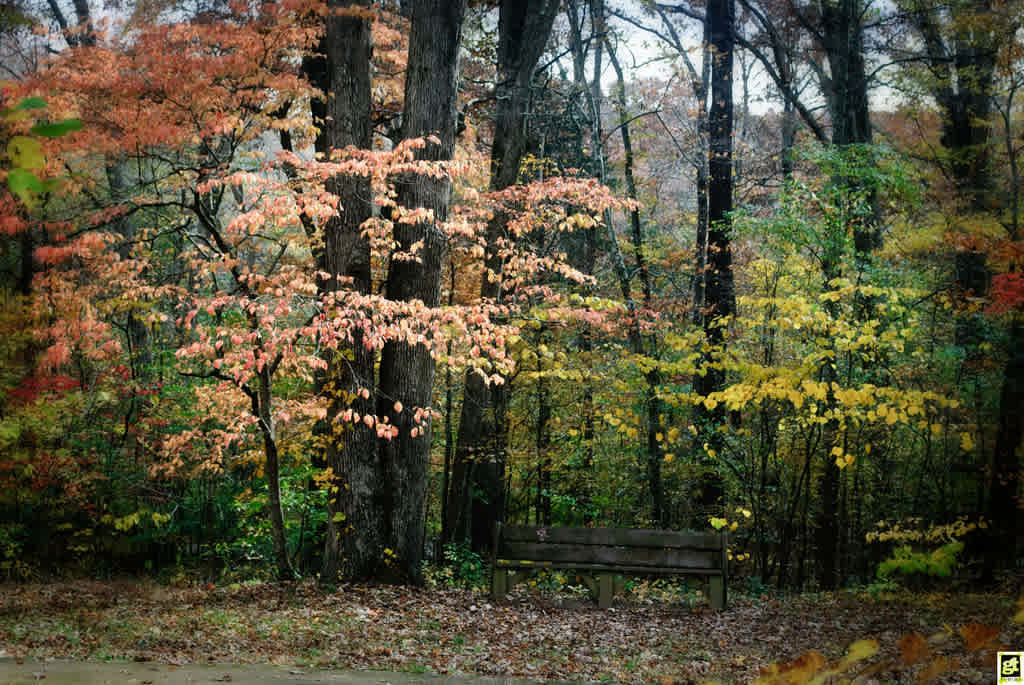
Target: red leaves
[
  {"x": 32, "y": 388},
  {"x": 1007, "y": 292}
]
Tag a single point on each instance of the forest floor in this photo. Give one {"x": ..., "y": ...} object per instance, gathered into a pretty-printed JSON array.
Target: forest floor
[{"x": 953, "y": 637}]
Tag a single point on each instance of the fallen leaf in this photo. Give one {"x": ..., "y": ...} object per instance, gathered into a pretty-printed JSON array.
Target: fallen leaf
[
  {"x": 913, "y": 648},
  {"x": 937, "y": 667},
  {"x": 976, "y": 635}
]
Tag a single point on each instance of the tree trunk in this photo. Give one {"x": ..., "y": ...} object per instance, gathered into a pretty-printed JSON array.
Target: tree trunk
[
  {"x": 262, "y": 408},
  {"x": 845, "y": 88},
  {"x": 407, "y": 370},
  {"x": 352, "y": 544},
  {"x": 719, "y": 294},
  {"x": 1004, "y": 489}
]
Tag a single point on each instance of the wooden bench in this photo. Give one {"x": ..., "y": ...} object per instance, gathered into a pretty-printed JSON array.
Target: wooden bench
[{"x": 604, "y": 552}]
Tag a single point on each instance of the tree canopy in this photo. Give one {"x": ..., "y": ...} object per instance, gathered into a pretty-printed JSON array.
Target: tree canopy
[{"x": 314, "y": 288}]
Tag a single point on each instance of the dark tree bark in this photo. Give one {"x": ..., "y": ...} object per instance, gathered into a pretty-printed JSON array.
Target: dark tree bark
[
  {"x": 1004, "y": 486},
  {"x": 407, "y": 371},
  {"x": 262, "y": 407},
  {"x": 719, "y": 295},
  {"x": 963, "y": 68},
  {"x": 477, "y": 499},
  {"x": 342, "y": 71}
]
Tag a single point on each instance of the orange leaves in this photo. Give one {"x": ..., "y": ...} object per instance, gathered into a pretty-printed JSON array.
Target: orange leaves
[
  {"x": 796, "y": 672},
  {"x": 937, "y": 667},
  {"x": 916, "y": 656},
  {"x": 913, "y": 648},
  {"x": 976, "y": 635},
  {"x": 169, "y": 84}
]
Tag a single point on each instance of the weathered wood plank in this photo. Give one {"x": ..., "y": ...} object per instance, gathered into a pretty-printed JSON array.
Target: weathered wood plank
[
  {"x": 604, "y": 597},
  {"x": 630, "y": 537},
  {"x": 593, "y": 568},
  {"x": 611, "y": 556},
  {"x": 717, "y": 591},
  {"x": 499, "y": 581}
]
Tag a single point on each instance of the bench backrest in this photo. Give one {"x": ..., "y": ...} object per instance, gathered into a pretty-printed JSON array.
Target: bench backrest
[{"x": 634, "y": 548}]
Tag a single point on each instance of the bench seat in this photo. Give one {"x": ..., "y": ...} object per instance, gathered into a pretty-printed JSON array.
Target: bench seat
[{"x": 604, "y": 552}]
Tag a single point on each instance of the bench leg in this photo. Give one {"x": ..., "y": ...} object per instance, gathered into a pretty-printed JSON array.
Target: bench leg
[
  {"x": 604, "y": 593},
  {"x": 499, "y": 583},
  {"x": 717, "y": 591}
]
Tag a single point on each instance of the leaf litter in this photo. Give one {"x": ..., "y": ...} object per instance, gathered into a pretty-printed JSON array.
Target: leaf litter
[{"x": 824, "y": 637}]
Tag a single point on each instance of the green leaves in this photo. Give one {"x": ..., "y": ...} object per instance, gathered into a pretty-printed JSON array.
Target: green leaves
[
  {"x": 31, "y": 103},
  {"x": 25, "y": 153},
  {"x": 58, "y": 129},
  {"x": 24, "y": 185}
]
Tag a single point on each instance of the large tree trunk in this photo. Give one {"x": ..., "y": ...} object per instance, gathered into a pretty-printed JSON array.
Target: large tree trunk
[
  {"x": 342, "y": 71},
  {"x": 719, "y": 295},
  {"x": 407, "y": 370},
  {"x": 1004, "y": 488},
  {"x": 477, "y": 499}
]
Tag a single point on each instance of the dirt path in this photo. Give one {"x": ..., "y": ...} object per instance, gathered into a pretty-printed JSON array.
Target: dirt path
[{"x": 131, "y": 673}]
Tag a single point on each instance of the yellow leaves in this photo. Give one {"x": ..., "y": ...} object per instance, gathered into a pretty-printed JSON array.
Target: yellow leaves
[
  {"x": 843, "y": 459},
  {"x": 810, "y": 668},
  {"x": 26, "y": 153},
  {"x": 580, "y": 220},
  {"x": 160, "y": 519},
  {"x": 796, "y": 672},
  {"x": 966, "y": 442},
  {"x": 130, "y": 521},
  {"x": 909, "y": 531},
  {"x": 718, "y": 523},
  {"x": 796, "y": 398},
  {"x": 1018, "y": 617},
  {"x": 710, "y": 403}
]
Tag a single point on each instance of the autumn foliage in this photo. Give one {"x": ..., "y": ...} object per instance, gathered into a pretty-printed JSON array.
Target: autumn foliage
[{"x": 172, "y": 341}]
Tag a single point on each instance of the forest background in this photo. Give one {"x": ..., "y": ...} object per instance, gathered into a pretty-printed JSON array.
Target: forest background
[{"x": 294, "y": 289}]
